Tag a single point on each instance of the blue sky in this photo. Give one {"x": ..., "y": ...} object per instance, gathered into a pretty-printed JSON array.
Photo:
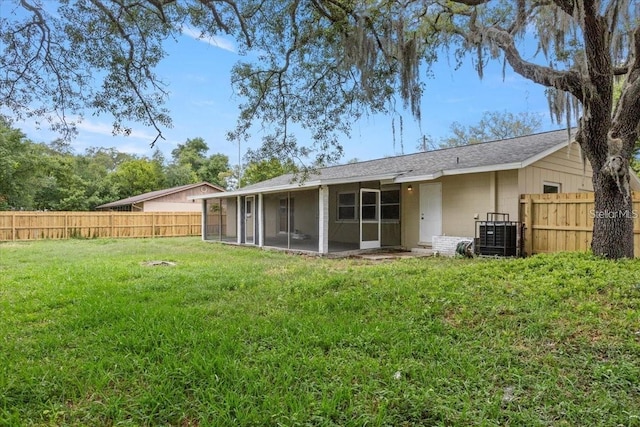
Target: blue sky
[{"x": 202, "y": 104}]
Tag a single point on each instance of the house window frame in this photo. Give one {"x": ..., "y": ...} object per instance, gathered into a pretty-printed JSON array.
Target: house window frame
[
  {"x": 551, "y": 184},
  {"x": 339, "y": 218}
]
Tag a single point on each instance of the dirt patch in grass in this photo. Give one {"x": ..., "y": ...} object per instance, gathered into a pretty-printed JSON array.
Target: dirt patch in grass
[{"x": 159, "y": 264}]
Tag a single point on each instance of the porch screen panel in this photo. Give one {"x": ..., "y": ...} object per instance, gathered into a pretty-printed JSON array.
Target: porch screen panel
[
  {"x": 229, "y": 220},
  {"x": 304, "y": 216},
  {"x": 220, "y": 220},
  {"x": 213, "y": 220},
  {"x": 291, "y": 220},
  {"x": 390, "y": 216},
  {"x": 274, "y": 220}
]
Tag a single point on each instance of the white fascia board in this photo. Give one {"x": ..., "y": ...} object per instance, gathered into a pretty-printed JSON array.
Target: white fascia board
[
  {"x": 414, "y": 178},
  {"x": 287, "y": 187},
  {"x": 296, "y": 186},
  {"x": 481, "y": 169},
  {"x": 461, "y": 171},
  {"x": 365, "y": 178},
  {"x": 276, "y": 189}
]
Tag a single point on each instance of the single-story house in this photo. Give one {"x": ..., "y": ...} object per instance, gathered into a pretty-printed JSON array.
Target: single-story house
[
  {"x": 176, "y": 199},
  {"x": 405, "y": 201}
]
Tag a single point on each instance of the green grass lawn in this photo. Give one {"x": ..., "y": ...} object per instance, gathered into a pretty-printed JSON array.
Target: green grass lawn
[{"x": 90, "y": 335}]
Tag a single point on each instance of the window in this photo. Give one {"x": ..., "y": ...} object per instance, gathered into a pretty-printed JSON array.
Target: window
[
  {"x": 551, "y": 187},
  {"x": 346, "y": 206},
  {"x": 390, "y": 205}
]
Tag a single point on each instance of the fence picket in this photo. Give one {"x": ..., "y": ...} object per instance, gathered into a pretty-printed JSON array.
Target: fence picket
[
  {"x": 63, "y": 225},
  {"x": 563, "y": 222}
]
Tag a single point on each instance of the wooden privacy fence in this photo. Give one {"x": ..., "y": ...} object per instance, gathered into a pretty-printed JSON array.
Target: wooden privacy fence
[
  {"x": 564, "y": 222},
  {"x": 65, "y": 225}
]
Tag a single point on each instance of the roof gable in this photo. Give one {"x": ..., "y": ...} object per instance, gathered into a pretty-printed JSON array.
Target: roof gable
[{"x": 157, "y": 194}]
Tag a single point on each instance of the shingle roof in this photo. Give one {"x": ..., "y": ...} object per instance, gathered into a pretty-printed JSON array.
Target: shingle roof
[
  {"x": 155, "y": 194},
  {"x": 505, "y": 154}
]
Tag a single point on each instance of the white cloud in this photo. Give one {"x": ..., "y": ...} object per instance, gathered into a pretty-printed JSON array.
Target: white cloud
[
  {"x": 103, "y": 128},
  {"x": 215, "y": 41},
  {"x": 100, "y": 134}
]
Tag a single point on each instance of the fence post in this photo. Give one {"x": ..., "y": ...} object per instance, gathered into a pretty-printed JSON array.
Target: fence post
[
  {"x": 153, "y": 224},
  {"x": 528, "y": 225},
  {"x": 13, "y": 227}
]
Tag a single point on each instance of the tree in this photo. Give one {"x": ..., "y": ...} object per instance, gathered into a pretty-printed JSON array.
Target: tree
[
  {"x": 180, "y": 174},
  {"x": 62, "y": 188},
  {"x": 192, "y": 152},
  {"x": 94, "y": 167},
  {"x": 265, "y": 169},
  {"x": 21, "y": 168},
  {"x": 191, "y": 165},
  {"x": 493, "y": 126},
  {"x": 135, "y": 177},
  {"x": 322, "y": 64},
  {"x": 215, "y": 170}
]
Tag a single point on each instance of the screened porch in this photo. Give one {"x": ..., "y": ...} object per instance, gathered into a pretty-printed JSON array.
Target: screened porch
[{"x": 324, "y": 219}]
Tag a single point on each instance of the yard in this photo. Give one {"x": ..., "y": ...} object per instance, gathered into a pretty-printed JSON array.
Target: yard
[{"x": 92, "y": 334}]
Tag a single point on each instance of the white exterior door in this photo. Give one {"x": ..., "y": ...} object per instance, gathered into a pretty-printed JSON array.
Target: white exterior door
[
  {"x": 369, "y": 218},
  {"x": 249, "y": 220},
  {"x": 430, "y": 212}
]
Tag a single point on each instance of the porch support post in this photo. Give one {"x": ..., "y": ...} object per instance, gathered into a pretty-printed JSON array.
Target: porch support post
[
  {"x": 323, "y": 219},
  {"x": 239, "y": 210},
  {"x": 203, "y": 220},
  {"x": 260, "y": 214}
]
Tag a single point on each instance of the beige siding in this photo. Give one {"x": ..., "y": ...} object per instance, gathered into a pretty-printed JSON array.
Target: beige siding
[
  {"x": 564, "y": 167},
  {"x": 176, "y": 202},
  {"x": 508, "y": 197},
  {"x": 463, "y": 198},
  {"x": 409, "y": 211},
  {"x": 186, "y": 206},
  {"x": 182, "y": 196}
]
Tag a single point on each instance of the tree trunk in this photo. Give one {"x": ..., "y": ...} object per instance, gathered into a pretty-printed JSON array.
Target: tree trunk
[{"x": 613, "y": 216}]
